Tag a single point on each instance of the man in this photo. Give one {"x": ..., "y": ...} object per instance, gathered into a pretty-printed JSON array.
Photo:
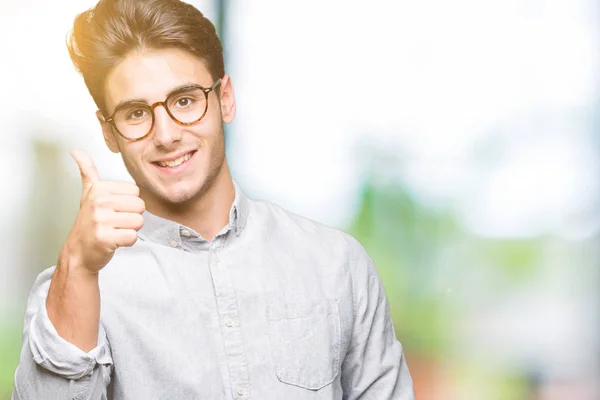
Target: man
[{"x": 179, "y": 286}]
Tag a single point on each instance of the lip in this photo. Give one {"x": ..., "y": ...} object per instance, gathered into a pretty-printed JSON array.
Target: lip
[
  {"x": 175, "y": 157},
  {"x": 178, "y": 169}
]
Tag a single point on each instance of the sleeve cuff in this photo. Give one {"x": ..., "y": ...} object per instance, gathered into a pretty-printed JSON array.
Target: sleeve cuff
[{"x": 57, "y": 355}]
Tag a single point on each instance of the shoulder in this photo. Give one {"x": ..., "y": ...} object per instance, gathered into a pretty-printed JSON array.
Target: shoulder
[
  {"x": 277, "y": 218},
  {"x": 300, "y": 228}
]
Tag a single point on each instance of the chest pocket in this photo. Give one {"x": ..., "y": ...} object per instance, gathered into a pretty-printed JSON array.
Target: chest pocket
[{"x": 305, "y": 342}]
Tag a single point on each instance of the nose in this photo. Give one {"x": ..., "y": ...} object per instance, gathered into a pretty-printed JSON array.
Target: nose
[{"x": 166, "y": 132}]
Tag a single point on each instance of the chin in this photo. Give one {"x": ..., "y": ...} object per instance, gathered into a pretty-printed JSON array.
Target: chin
[{"x": 180, "y": 195}]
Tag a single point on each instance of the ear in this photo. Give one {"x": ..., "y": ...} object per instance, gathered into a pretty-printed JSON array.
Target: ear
[
  {"x": 107, "y": 132},
  {"x": 227, "y": 100}
]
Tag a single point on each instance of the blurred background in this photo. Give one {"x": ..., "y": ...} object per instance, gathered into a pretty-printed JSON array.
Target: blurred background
[{"x": 458, "y": 141}]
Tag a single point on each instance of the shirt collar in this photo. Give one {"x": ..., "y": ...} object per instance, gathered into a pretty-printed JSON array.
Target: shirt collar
[
  {"x": 169, "y": 233},
  {"x": 239, "y": 210}
]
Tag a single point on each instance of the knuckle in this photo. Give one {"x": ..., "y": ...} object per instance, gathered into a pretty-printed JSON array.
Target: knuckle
[
  {"x": 129, "y": 238},
  {"x": 97, "y": 216},
  {"x": 133, "y": 188},
  {"x": 107, "y": 241},
  {"x": 98, "y": 201},
  {"x": 99, "y": 235},
  {"x": 138, "y": 221},
  {"x": 141, "y": 205}
]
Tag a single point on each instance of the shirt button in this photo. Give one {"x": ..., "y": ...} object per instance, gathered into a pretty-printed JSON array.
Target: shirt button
[
  {"x": 229, "y": 322},
  {"x": 174, "y": 243},
  {"x": 240, "y": 390},
  {"x": 185, "y": 233}
]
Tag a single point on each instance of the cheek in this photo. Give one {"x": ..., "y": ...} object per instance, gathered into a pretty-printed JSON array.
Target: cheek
[
  {"x": 206, "y": 135},
  {"x": 132, "y": 154},
  {"x": 214, "y": 119}
]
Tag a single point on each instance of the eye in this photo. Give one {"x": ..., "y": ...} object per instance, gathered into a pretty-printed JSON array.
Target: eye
[
  {"x": 137, "y": 114},
  {"x": 184, "y": 102}
]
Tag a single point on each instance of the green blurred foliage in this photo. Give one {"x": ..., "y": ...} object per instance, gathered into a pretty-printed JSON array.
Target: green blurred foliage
[
  {"x": 434, "y": 271},
  {"x": 10, "y": 349},
  {"x": 404, "y": 240}
]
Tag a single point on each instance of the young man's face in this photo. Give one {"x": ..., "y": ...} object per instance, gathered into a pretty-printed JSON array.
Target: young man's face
[{"x": 151, "y": 76}]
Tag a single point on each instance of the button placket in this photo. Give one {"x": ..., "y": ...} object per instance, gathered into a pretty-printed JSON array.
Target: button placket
[
  {"x": 231, "y": 330},
  {"x": 240, "y": 391},
  {"x": 214, "y": 254},
  {"x": 185, "y": 233}
]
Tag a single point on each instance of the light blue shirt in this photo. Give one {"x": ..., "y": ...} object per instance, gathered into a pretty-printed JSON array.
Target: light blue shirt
[{"x": 276, "y": 307}]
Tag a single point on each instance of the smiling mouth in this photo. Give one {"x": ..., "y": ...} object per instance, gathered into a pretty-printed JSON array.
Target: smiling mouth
[{"x": 175, "y": 163}]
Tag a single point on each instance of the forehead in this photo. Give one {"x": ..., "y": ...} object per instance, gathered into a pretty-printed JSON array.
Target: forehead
[{"x": 151, "y": 75}]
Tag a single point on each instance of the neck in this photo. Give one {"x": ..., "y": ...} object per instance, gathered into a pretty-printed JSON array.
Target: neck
[{"x": 208, "y": 212}]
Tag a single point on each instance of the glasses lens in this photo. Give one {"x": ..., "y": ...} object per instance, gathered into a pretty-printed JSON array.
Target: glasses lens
[
  {"x": 134, "y": 121},
  {"x": 189, "y": 106}
]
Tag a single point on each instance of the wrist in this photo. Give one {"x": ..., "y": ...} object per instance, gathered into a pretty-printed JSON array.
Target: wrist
[{"x": 71, "y": 262}]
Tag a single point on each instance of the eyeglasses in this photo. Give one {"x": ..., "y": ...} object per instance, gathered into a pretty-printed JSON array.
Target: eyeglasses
[{"x": 186, "y": 106}]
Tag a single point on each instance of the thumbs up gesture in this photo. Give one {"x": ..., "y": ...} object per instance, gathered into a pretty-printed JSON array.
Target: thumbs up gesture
[{"x": 109, "y": 217}]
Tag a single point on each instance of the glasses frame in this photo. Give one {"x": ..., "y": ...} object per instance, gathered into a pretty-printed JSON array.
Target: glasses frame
[{"x": 206, "y": 92}]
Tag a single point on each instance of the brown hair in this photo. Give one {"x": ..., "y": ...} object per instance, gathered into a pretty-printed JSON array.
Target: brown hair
[{"x": 104, "y": 35}]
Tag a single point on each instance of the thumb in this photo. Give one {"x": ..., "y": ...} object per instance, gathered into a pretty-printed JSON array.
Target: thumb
[{"x": 87, "y": 168}]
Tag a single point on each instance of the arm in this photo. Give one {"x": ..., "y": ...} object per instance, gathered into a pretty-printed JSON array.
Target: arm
[
  {"x": 73, "y": 303},
  {"x": 374, "y": 366},
  {"x": 63, "y": 341},
  {"x": 50, "y": 367}
]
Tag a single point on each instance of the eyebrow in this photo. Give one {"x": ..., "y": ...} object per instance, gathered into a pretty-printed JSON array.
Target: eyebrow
[{"x": 176, "y": 90}]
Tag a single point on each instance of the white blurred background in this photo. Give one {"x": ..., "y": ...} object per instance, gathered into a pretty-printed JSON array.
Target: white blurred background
[{"x": 458, "y": 141}]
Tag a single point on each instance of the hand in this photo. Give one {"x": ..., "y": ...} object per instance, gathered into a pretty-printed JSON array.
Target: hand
[{"x": 110, "y": 215}]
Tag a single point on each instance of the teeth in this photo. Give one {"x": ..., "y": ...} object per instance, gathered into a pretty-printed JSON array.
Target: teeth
[{"x": 175, "y": 163}]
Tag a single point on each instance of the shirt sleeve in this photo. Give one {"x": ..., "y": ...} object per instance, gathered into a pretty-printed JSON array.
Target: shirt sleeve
[
  {"x": 52, "y": 368},
  {"x": 374, "y": 366}
]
